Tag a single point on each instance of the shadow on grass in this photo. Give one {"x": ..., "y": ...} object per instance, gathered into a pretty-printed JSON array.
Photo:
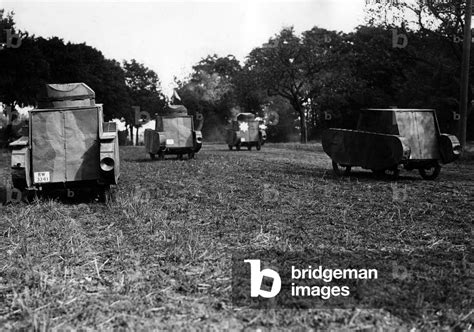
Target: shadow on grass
[
  {"x": 30, "y": 197},
  {"x": 354, "y": 175},
  {"x": 149, "y": 160}
]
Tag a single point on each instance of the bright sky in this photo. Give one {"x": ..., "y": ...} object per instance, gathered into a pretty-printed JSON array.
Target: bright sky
[{"x": 169, "y": 37}]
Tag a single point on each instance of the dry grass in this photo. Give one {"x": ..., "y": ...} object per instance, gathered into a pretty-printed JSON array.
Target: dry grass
[{"x": 159, "y": 256}]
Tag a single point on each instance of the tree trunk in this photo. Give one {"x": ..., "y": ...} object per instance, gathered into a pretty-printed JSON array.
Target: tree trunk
[
  {"x": 136, "y": 138},
  {"x": 304, "y": 128},
  {"x": 303, "y": 125},
  {"x": 131, "y": 134}
]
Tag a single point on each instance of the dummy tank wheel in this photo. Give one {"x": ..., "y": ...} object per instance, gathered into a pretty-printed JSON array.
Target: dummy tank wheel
[{"x": 341, "y": 170}]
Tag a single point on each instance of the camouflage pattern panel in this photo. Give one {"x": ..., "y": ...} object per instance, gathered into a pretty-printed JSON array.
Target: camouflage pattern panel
[
  {"x": 179, "y": 132},
  {"x": 47, "y": 147},
  {"x": 81, "y": 128},
  {"x": 253, "y": 131},
  {"x": 244, "y": 136},
  {"x": 419, "y": 128},
  {"x": 367, "y": 150},
  {"x": 428, "y": 134},
  {"x": 186, "y": 132},
  {"x": 248, "y": 131}
]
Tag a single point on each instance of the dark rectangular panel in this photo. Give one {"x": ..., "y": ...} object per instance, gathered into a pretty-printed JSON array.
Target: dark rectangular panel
[{"x": 82, "y": 145}]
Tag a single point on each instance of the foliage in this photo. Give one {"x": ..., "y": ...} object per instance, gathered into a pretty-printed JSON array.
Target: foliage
[
  {"x": 435, "y": 31},
  {"x": 325, "y": 76},
  {"x": 210, "y": 90},
  {"x": 144, "y": 88}
]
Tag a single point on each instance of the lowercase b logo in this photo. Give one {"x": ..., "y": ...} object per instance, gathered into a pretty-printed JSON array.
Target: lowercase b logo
[
  {"x": 396, "y": 39},
  {"x": 256, "y": 280}
]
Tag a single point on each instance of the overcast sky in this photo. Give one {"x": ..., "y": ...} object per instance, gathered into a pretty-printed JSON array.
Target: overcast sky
[{"x": 169, "y": 37}]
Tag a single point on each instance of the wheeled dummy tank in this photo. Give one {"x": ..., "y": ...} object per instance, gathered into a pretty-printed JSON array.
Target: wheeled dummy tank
[
  {"x": 387, "y": 139},
  {"x": 175, "y": 133},
  {"x": 69, "y": 147},
  {"x": 245, "y": 131}
]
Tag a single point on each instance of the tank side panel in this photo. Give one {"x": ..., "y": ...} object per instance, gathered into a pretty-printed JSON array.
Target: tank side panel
[
  {"x": 186, "y": 132},
  {"x": 253, "y": 131},
  {"x": 47, "y": 147},
  {"x": 367, "y": 150},
  {"x": 179, "y": 132},
  {"x": 82, "y": 145},
  {"x": 428, "y": 135},
  {"x": 170, "y": 127},
  {"x": 408, "y": 128}
]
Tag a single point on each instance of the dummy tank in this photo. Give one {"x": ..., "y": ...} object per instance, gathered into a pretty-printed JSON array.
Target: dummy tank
[
  {"x": 245, "y": 131},
  {"x": 387, "y": 140},
  {"x": 68, "y": 146}
]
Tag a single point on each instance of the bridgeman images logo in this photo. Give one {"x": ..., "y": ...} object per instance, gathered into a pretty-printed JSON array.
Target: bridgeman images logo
[
  {"x": 324, "y": 285},
  {"x": 330, "y": 279},
  {"x": 256, "y": 280}
]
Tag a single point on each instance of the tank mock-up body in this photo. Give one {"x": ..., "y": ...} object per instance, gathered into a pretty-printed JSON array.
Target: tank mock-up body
[
  {"x": 69, "y": 146},
  {"x": 388, "y": 138},
  {"x": 245, "y": 131},
  {"x": 174, "y": 134}
]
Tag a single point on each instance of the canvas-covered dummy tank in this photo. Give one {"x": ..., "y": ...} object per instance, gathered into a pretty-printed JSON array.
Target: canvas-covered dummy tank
[
  {"x": 245, "y": 131},
  {"x": 69, "y": 147},
  {"x": 175, "y": 133},
  {"x": 387, "y": 139}
]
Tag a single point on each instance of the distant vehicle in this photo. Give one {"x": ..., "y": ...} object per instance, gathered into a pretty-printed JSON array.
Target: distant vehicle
[
  {"x": 387, "y": 139},
  {"x": 68, "y": 147},
  {"x": 174, "y": 134},
  {"x": 245, "y": 131}
]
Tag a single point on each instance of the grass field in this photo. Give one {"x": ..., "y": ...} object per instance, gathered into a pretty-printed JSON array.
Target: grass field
[{"x": 159, "y": 255}]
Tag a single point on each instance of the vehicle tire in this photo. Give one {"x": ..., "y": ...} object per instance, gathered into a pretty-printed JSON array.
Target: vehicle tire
[
  {"x": 152, "y": 156},
  {"x": 19, "y": 179},
  {"x": 259, "y": 145},
  {"x": 249, "y": 148},
  {"x": 339, "y": 171},
  {"x": 378, "y": 172},
  {"x": 105, "y": 194},
  {"x": 430, "y": 173},
  {"x": 230, "y": 147},
  {"x": 191, "y": 155},
  {"x": 394, "y": 173}
]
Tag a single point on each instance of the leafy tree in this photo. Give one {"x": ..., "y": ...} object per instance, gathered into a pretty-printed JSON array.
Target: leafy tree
[
  {"x": 70, "y": 63},
  {"x": 23, "y": 68},
  {"x": 249, "y": 94},
  {"x": 288, "y": 66},
  {"x": 210, "y": 90},
  {"x": 280, "y": 119},
  {"x": 144, "y": 89},
  {"x": 434, "y": 30}
]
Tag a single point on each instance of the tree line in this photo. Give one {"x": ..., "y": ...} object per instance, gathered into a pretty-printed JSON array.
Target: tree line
[
  {"x": 37, "y": 61},
  {"x": 299, "y": 83},
  {"x": 405, "y": 55}
]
